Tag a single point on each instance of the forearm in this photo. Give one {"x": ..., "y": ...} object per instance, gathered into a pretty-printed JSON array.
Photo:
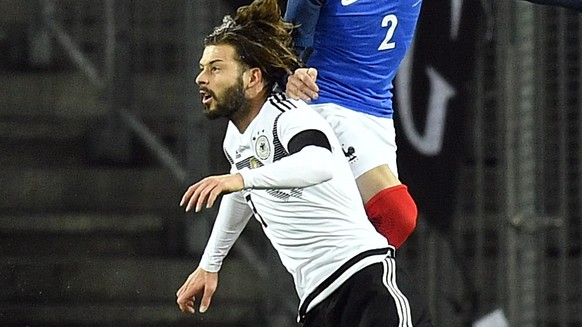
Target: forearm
[{"x": 232, "y": 218}]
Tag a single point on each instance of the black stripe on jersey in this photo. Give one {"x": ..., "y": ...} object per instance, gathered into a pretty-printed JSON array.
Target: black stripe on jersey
[
  {"x": 228, "y": 157},
  {"x": 285, "y": 195},
  {"x": 308, "y": 137},
  {"x": 280, "y": 101},
  {"x": 284, "y": 101},
  {"x": 279, "y": 151},
  {"x": 246, "y": 163},
  {"x": 389, "y": 251}
]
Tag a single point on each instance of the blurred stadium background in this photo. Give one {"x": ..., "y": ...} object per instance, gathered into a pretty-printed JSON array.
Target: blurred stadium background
[{"x": 101, "y": 130}]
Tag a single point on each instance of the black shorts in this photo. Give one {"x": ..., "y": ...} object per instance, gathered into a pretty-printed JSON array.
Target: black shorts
[{"x": 378, "y": 295}]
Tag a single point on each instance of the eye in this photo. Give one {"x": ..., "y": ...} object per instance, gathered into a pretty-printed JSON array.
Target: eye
[{"x": 214, "y": 69}]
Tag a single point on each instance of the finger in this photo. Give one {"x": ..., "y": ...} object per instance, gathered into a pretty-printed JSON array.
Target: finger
[
  {"x": 191, "y": 203},
  {"x": 307, "y": 94},
  {"x": 295, "y": 92},
  {"x": 310, "y": 87},
  {"x": 206, "y": 298},
  {"x": 312, "y": 72},
  {"x": 190, "y": 307},
  {"x": 300, "y": 93},
  {"x": 212, "y": 197},
  {"x": 184, "y": 288},
  {"x": 305, "y": 98},
  {"x": 307, "y": 88},
  {"x": 292, "y": 89},
  {"x": 186, "y": 304},
  {"x": 311, "y": 95},
  {"x": 186, "y": 195},
  {"x": 191, "y": 191},
  {"x": 196, "y": 195},
  {"x": 308, "y": 76},
  {"x": 296, "y": 79},
  {"x": 203, "y": 197}
]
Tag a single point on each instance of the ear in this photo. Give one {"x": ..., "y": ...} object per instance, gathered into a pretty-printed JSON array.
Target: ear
[{"x": 253, "y": 78}]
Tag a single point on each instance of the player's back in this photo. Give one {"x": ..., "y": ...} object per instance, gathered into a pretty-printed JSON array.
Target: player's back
[{"x": 358, "y": 46}]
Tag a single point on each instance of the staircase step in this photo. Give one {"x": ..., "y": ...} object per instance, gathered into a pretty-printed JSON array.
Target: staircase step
[
  {"x": 50, "y": 189},
  {"x": 43, "y": 152},
  {"x": 89, "y": 291},
  {"x": 58, "y": 94},
  {"x": 125, "y": 315},
  {"x": 83, "y": 234},
  {"x": 69, "y": 94},
  {"x": 82, "y": 223},
  {"x": 42, "y": 127},
  {"x": 45, "y": 140}
]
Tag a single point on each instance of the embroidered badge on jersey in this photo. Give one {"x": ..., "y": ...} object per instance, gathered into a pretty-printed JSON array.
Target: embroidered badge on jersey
[
  {"x": 262, "y": 147},
  {"x": 350, "y": 154}
]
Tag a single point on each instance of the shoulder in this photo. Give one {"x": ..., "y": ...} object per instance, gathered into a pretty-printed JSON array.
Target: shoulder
[
  {"x": 287, "y": 108},
  {"x": 294, "y": 115},
  {"x": 279, "y": 101}
]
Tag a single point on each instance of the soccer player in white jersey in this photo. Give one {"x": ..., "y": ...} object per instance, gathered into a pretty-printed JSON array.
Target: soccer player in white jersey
[
  {"x": 353, "y": 49},
  {"x": 288, "y": 171}
]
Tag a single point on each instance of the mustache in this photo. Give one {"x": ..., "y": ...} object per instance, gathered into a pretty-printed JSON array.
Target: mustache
[{"x": 207, "y": 91}]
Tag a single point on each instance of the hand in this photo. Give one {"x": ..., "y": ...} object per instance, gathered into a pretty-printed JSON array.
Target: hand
[
  {"x": 200, "y": 281},
  {"x": 208, "y": 190},
  {"x": 301, "y": 85}
]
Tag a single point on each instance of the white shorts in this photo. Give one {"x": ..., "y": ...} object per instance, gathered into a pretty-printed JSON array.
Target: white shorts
[{"x": 367, "y": 141}]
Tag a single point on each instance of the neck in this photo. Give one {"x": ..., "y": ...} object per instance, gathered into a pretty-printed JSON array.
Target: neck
[{"x": 243, "y": 121}]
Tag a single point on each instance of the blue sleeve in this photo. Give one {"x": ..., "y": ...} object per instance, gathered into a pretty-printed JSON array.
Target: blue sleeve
[{"x": 304, "y": 13}]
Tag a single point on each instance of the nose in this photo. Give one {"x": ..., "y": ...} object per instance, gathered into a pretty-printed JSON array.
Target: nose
[{"x": 201, "y": 78}]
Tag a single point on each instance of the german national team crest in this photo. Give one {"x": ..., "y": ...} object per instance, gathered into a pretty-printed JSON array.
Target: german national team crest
[{"x": 262, "y": 147}]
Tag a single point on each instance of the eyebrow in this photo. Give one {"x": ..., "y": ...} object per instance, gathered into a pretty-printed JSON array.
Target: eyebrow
[{"x": 211, "y": 62}]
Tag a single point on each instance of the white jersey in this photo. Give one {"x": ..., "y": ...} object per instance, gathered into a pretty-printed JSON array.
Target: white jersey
[{"x": 321, "y": 231}]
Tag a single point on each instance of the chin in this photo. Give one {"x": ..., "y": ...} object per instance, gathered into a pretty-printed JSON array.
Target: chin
[{"x": 211, "y": 113}]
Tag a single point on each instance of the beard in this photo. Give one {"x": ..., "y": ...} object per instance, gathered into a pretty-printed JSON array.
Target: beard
[{"x": 231, "y": 104}]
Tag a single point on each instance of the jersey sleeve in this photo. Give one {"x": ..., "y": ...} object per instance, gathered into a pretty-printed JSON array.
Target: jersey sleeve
[
  {"x": 233, "y": 215},
  {"x": 293, "y": 122},
  {"x": 307, "y": 166},
  {"x": 305, "y": 14}
]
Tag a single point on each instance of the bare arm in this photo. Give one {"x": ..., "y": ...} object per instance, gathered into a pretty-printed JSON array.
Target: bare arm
[{"x": 232, "y": 217}]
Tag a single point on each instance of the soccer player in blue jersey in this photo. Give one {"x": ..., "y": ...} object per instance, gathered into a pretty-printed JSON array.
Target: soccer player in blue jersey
[{"x": 353, "y": 49}]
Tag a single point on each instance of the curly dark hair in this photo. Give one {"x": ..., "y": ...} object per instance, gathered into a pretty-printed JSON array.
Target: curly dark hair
[{"x": 261, "y": 39}]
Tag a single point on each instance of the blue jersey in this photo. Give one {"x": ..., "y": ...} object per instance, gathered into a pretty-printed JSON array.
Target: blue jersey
[{"x": 357, "y": 47}]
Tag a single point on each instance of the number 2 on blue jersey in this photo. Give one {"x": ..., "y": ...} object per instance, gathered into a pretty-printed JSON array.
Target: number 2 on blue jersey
[{"x": 390, "y": 22}]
